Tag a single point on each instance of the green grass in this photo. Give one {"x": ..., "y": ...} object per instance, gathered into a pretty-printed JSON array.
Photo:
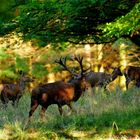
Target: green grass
[{"x": 111, "y": 115}]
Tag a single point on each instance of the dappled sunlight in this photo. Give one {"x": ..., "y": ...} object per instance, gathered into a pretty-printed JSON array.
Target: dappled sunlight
[
  {"x": 96, "y": 111},
  {"x": 96, "y": 116},
  {"x": 44, "y": 40},
  {"x": 40, "y": 62},
  {"x": 4, "y": 134}
]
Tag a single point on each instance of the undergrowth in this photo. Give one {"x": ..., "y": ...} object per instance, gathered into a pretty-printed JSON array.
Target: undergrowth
[{"x": 100, "y": 115}]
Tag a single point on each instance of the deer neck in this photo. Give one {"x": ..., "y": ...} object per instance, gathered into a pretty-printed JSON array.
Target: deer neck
[
  {"x": 77, "y": 88},
  {"x": 78, "y": 91},
  {"x": 22, "y": 85},
  {"x": 113, "y": 76}
]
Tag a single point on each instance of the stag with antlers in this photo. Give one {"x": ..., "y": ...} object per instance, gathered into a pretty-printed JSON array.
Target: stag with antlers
[{"x": 59, "y": 92}]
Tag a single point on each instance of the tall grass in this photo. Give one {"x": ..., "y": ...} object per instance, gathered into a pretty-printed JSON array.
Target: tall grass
[{"x": 100, "y": 115}]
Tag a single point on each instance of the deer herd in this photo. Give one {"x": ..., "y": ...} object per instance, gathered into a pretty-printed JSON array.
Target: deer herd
[{"x": 61, "y": 92}]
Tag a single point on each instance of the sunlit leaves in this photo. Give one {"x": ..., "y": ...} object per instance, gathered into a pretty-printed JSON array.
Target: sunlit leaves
[
  {"x": 21, "y": 64},
  {"x": 3, "y": 55},
  {"x": 7, "y": 73},
  {"x": 39, "y": 70},
  {"x": 52, "y": 21},
  {"x": 125, "y": 25}
]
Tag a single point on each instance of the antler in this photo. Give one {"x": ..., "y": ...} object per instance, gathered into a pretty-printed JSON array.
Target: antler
[
  {"x": 62, "y": 62},
  {"x": 79, "y": 59}
]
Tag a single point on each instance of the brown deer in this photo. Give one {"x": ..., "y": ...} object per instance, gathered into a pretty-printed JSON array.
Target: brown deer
[
  {"x": 14, "y": 92},
  {"x": 102, "y": 79},
  {"x": 59, "y": 92},
  {"x": 132, "y": 73}
]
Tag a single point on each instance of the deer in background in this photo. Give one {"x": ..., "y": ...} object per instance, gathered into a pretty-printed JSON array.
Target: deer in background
[
  {"x": 102, "y": 79},
  {"x": 14, "y": 92},
  {"x": 132, "y": 73},
  {"x": 59, "y": 92}
]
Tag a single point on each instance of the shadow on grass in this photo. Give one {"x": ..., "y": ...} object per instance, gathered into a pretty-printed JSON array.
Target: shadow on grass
[
  {"x": 108, "y": 124},
  {"x": 98, "y": 116}
]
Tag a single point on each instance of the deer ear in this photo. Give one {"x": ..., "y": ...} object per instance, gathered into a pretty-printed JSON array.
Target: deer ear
[{"x": 21, "y": 73}]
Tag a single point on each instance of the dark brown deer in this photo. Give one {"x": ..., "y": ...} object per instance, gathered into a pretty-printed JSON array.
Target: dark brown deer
[
  {"x": 59, "y": 92},
  {"x": 14, "y": 92},
  {"x": 102, "y": 79},
  {"x": 132, "y": 73}
]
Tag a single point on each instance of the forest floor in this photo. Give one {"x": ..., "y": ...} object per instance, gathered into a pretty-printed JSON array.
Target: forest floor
[{"x": 101, "y": 116}]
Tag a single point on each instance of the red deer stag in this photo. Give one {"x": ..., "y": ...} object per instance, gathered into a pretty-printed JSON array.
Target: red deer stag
[
  {"x": 14, "y": 92},
  {"x": 59, "y": 92},
  {"x": 132, "y": 73},
  {"x": 102, "y": 79}
]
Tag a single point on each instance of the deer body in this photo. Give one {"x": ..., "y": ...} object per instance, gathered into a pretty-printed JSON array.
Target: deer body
[
  {"x": 132, "y": 73},
  {"x": 59, "y": 92},
  {"x": 53, "y": 93},
  {"x": 14, "y": 92},
  {"x": 102, "y": 79}
]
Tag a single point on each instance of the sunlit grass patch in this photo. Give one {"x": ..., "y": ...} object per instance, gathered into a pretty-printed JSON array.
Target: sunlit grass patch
[
  {"x": 99, "y": 115},
  {"x": 3, "y": 134}
]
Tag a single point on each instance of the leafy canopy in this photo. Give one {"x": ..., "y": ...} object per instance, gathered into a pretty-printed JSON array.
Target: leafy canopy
[{"x": 75, "y": 21}]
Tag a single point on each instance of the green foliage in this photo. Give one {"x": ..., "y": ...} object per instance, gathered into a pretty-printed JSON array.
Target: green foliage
[
  {"x": 74, "y": 21},
  {"x": 22, "y": 64},
  {"x": 7, "y": 27},
  {"x": 125, "y": 25},
  {"x": 8, "y": 73},
  {"x": 6, "y": 11},
  {"x": 3, "y": 55},
  {"x": 7, "y": 67},
  {"x": 39, "y": 70},
  {"x": 33, "y": 21}
]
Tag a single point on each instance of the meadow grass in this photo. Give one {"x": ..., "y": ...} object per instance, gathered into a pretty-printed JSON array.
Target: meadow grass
[{"x": 101, "y": 115}]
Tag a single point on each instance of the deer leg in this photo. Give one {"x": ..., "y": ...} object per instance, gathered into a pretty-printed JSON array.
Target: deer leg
[
  {"x": 4, "y": 104},
  {"x": 101, "y": 84},
  {"x": 13, "y": 102},
  {"x": 34, "y": 105},
  {"x": 127, "y": 82},
  {"x": 71, "y": 108},
  {"x": 42, "y": 113},
  {"x": 60, "y": 109},
  {"x": 138, "y": 83},
  {"x": 17, "y": 99},
  {"x": 4, "y": 99}
]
